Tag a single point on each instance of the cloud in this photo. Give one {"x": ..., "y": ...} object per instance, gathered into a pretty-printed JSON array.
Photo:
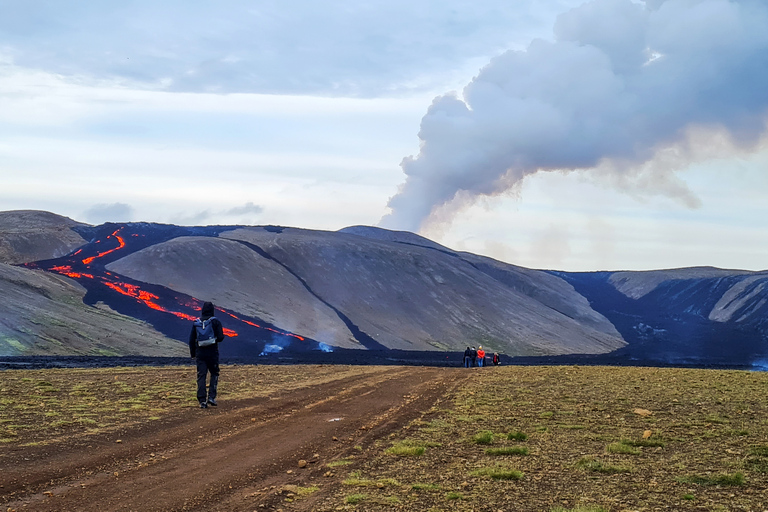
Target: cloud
[
  {"x": 244, "y": 214},
  {"x": 247, "y": 208},
  {"x": 300, "y": 47},
  {"x": 114, "y": 212},
  {"x": 622, "y": 84}
]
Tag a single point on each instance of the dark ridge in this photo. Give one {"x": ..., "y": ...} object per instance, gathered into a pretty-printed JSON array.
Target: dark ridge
[
  {"x": 365, "y": 357},
  {"x": 670, "y": 325},
  {"x": 365, "y": 339}
]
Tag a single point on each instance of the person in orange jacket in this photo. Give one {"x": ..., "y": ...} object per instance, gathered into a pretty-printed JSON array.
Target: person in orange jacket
[{"x": 480, "y": 357}]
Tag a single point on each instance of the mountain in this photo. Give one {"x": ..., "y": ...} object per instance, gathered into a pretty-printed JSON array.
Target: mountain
[
  {"x": 694, "y": 315},
  {"x": 384, "y": 294},
  {"x": 357, "y": 290},
  {"x": 29, "y": 235},
  {"x": 44, "y": 314}
]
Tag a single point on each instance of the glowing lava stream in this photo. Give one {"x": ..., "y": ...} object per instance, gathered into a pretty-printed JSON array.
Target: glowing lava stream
[
  {"x": 113, "y": 282},
  {"x": 120, "y": 241}
]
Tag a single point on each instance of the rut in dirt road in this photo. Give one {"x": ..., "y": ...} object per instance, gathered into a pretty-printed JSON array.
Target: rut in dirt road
[{"x": 229, "y": 458}]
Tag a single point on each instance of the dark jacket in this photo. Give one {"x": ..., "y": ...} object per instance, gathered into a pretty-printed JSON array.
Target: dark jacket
[{"x": 218, "y": 331}]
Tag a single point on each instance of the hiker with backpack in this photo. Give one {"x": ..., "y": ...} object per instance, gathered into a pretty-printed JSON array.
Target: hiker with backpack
[
  {"x": 467, "y": 357},
  {"x": 204, "y": 339}
]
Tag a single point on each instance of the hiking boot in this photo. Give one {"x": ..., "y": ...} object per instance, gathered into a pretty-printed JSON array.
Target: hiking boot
[
  {"x": 212, "y": 401},
  {"x": 203, "y": 405}
]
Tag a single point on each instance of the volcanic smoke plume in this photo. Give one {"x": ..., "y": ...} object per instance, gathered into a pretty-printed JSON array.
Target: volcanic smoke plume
[{"x": 625, "y": 88}]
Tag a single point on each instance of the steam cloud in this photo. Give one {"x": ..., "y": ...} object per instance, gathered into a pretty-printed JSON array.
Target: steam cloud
[{"x": 622, "y": 84}]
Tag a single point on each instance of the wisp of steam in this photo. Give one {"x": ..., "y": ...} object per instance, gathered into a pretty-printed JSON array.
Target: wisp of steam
[{"x": 621, "y": 84}]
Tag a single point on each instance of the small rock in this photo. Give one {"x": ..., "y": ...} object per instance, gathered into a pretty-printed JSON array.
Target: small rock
[
  {"x": 335, "y": 438},
  {"x": 119, "y": 441},
  {"x": 647, "y": 434},
  {"x": 290, "y": 471},
  {"x": 464, "y": 484},
  {"x": 116, "y": 473},
  {"x": 642, "y": 412},
  {"x": 291, "y": 489},
  {"x": 302, "y": 463},
  {"x": 316, "y": 456},
  {"x": 48, "y": 493}
]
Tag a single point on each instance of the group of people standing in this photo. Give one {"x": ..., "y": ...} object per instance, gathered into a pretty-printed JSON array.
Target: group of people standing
[{"x": 476, "y": 357}]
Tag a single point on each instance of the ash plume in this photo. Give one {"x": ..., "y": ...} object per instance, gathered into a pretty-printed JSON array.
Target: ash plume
[{"x": 625, "y": 88}]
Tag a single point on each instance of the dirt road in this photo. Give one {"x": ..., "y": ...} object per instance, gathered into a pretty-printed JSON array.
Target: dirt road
[{"x": 238, "y": 456}]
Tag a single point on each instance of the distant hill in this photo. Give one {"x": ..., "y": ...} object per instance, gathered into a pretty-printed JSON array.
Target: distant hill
[
  {"x": 358, "y": 289},
  {"x": 29, "y": 235}
]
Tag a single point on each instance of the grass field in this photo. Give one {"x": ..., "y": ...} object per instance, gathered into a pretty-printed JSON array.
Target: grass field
[
  {"x": 562, "y": 439},
  {"x": 582, "y": 439},
  {"x": 43, "y": 406}
]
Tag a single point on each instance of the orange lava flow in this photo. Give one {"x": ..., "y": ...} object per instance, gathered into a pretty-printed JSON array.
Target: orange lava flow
[
  {"x": 67, "y": 271},
  {"x": 121, "y": 244},
  {"x": 131, "y": 290},
  {"x": 301, "y": 338}
]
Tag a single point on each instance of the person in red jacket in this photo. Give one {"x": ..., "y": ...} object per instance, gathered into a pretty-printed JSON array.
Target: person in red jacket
[{"x": 480, "y": 357}]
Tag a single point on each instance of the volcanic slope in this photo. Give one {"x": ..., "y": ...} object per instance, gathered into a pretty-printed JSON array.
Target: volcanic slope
[
  {"x": 44, "y": 314},
  {"x": 688, "y": 314},
  {"x": 406, "y": 296},
  {"x": 236, "y": 277},
  {"x": 29, "y": 235}
]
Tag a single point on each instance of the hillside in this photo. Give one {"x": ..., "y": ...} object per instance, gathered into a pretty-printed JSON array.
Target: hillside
[
  {"x": 362, "y": 288},
  {"x": 29, "y": 235},
  {"x": 44, "y": 314}
]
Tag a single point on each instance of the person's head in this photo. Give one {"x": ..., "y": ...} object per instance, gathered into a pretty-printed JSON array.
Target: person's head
[
  {"x": 207, "y": 311},
  {"x": 480, "y": 348},
  {"x": 467, "y": 348}
]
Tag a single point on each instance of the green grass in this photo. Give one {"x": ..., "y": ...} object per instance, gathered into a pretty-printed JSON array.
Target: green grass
[
  {"x": 484, "y": 437},
  {"x": 305, "y": 491},
  {"x": 736, "y": 479},
  {"x": 338, "y": 463},
  {"x": 354, "y": 499},
  {"x": 622, "y": 448},
  {"x": 406, "y": 449},
  {"x": 508, "y": 450},
  {"x": 498, "y": 473},
  {"x": 760, "y": 451},
  {"x": 454, "y": 496},
  {"x": 517, "y": 436}
]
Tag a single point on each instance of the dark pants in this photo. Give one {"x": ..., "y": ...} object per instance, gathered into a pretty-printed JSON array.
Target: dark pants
[{"x": 207, "y": 363}]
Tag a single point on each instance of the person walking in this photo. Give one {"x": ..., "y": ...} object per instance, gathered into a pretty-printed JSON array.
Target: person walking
[
  {"x": 473, "y": 356},
  {"x": 204, "y": 340},
  {"x": 467, "y": 357},
  {"x": 480, "y": 356}
]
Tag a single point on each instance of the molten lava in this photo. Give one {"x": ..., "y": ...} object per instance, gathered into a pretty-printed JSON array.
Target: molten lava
[{"x": 91, "y": 270}]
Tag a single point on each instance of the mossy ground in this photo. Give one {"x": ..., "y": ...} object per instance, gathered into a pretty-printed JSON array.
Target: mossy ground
[
  {"x": 591, "y": 444},
  {"x": 43, "y": 406}
]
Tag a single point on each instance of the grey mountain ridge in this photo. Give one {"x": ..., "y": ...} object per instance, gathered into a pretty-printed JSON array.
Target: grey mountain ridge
[{"x": 398, "y": 289}]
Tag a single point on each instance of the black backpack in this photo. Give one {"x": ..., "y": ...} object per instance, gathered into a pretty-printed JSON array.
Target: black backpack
[{"x": 205, "y": 334}]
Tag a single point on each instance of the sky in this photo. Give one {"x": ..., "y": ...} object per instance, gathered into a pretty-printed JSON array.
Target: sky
[{"x": 559, "y": 134}]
